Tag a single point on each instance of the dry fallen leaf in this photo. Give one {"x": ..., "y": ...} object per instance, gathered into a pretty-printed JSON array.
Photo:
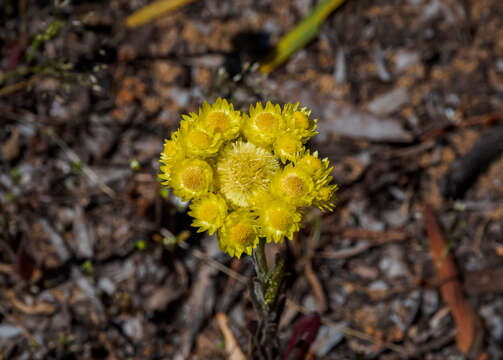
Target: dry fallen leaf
[
  {"x": 470, "y": 331},
  {"x": 35, "y": 309},
  {"x": 153, "y": 11},
  {"x": 321, "y": 301},
  {"x": 231, "y": 345}
]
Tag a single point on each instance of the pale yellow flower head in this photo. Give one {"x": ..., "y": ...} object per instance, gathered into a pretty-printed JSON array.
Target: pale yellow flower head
[
  {"x": 244, "y": 170},
  {"x": 209, "y": 213},
  {"x": 248, "y": 176},
  {"x": 299, "y": 120},
  {"x": 239, "y": 233},
  {"x": 172, "y": 153},
  {"x": 294, "y": 185},
  {"x": 192, "y": 178},
  {"x": 221, "y": 118},
  {"x": 277, "y": 218},
  {"x": 287, "y": 146},
  {"x": 325, "y": 197},
  {"x": 264, "y": 124}
]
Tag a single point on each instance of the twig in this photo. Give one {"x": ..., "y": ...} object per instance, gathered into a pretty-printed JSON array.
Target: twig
[
  {"x": 215, "y": 264},
  {"x": 346, "y": 253},
  {"x": 376, "y": 238},
  {"x": 8, "y": 89},
  {"x": 485, "y": 120},
  {"x": 489, "y": 280},
  {"x": 435, "y": 344},
  {"x": 72, "y": 156},
  {"x": 6, "y": 269},
  {"x": 477, "y": 206},
  {"x": 379, "y": 236}
]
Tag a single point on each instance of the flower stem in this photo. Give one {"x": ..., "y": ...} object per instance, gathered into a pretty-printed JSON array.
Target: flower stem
[{"x": 265, "y": 293}]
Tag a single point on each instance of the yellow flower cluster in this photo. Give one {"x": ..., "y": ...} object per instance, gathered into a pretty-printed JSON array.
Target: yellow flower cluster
[{"x": 247, "y": 175}]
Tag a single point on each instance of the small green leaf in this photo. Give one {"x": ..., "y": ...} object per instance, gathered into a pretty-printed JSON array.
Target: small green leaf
[
  {"x": 50, "y": 31},
  {"x": 141, "y": 245},
  {"x": 15, "y": 174},
  {"x": 10, "y": 197},
  {"x": 87, "y": 267},
  {"x": 77, "y": 167},
  {"x": 135, "y": 165}
]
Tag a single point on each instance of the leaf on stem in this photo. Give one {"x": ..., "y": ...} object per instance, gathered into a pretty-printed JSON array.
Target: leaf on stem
[{"x": 274, "y": 283}]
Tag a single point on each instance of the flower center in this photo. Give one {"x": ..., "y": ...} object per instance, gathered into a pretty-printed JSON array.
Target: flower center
[
  {"x": 198, "y": 138},
  {"x": 243, "y": 170},
  {"x": 278, "y": 219},
  {"x": 208, "y": 211},
  {"x": 293, "y": 186},
  {"x": 218, "y": 120},
  {"x": 325, "y": 193},
  {"x": 311, "y": 163},
  {"x": 266, "y": 122},
  {"x": 241, "y": 234},
  {"x": 301, "y": 120},
  {"x": 287, "y": 144},
  {"x": 192, "y": 178}
]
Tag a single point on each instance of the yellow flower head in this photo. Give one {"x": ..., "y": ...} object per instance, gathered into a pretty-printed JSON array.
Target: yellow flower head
[
  {"x": 198, "y": 141},
  {"x": 248, "y": 176},
  {"x": 239, "y": 234},
  {"x": 287, "y": 146},
  {"x": 209, "y": 213},
  {"x": 320, "y": 171},
  {"x": 221, "y": 118},
  {"x": 298, "y": 121},
  {"x": 312, "y": 164},
  {"x": 263, "y": 125},
  {"x": 293, "y": 185},
  {"x": 277, "y": 219},
  {"x": 325, "y": 197},
  {"x": 244, "y": 170},
  {"x": 172, "y": 153},
  {"x": 192, "y": 178}
]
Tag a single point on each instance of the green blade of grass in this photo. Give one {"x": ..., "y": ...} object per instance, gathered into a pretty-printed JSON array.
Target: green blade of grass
[
  {"x": 302, "y": 34},
  {"x": 154, "y": 10}
]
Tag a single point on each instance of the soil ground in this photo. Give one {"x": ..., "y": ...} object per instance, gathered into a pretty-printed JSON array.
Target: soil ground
[{"x": 406, "y": 92}]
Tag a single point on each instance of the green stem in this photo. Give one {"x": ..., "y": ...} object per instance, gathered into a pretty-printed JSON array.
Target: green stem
[{"x": 266, "y": 292}]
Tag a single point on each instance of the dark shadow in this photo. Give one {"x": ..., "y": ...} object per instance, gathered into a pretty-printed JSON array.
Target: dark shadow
[{"x": 246, "y": 47}]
